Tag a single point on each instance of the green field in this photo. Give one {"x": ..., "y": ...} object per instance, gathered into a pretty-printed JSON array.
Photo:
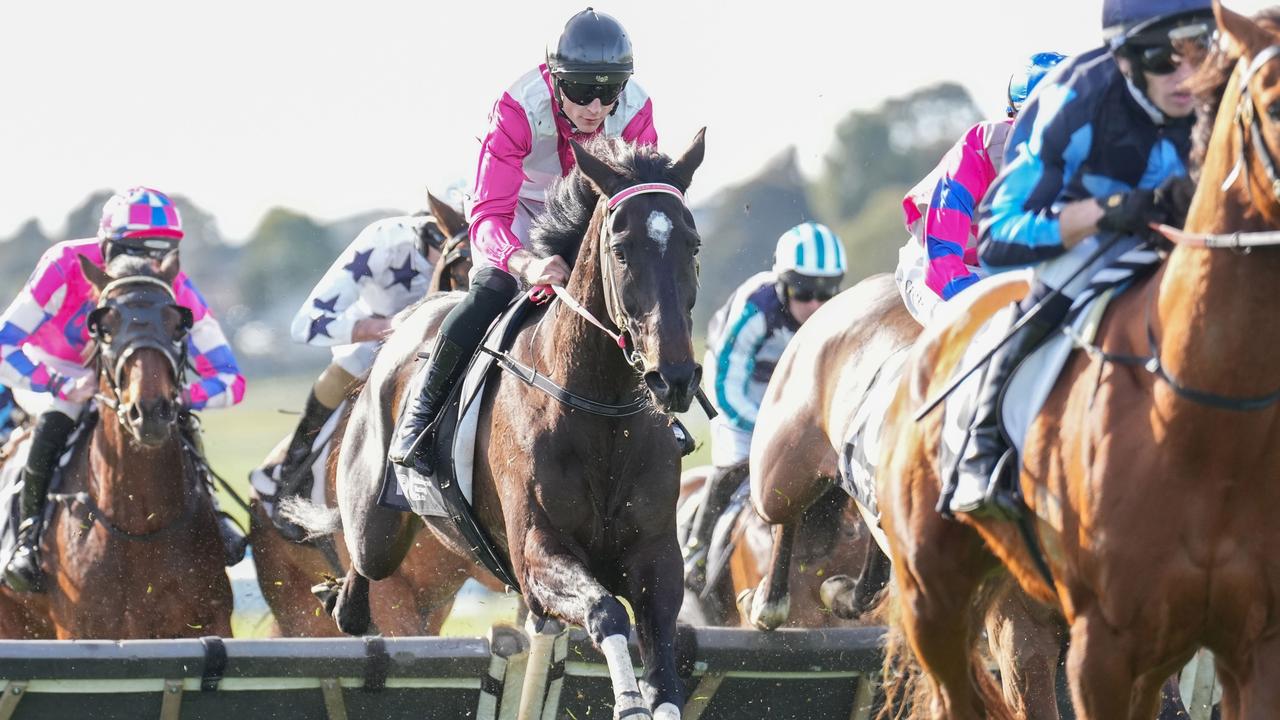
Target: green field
[{"x": 236, "y": 441}]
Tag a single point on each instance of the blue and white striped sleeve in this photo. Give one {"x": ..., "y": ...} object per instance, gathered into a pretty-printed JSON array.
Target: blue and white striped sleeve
[{"x": 743, "y": 335}]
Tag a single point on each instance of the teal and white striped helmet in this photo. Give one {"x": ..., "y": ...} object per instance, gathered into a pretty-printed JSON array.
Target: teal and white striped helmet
[{"x": 809, "y": 249}]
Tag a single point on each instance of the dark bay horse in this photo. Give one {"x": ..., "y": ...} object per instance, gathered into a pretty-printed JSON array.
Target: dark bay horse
[
  {"x": 1152, "y": 485},
  {"x": 132, "y": 549},
  {"x": 582, "y": 506},
  {"x": 820, "y": 382},
  {"x": 417, "y": 598}
]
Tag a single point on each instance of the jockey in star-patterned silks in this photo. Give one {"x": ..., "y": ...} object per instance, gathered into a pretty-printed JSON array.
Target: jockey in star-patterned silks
[
  {"x": 387, "y": 268},
  {"x": 1098, "y": 153},
  {"x": 745, "y": 340},
  {"x": 941, "y": 257},
  {"x": 584, "y": 89},
  {"x": 43, "y": 339}
]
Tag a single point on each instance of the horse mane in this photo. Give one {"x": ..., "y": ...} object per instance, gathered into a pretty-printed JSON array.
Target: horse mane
[
  {"x": 571, "y": 200},
  {"x": 1210, "y": 82}
]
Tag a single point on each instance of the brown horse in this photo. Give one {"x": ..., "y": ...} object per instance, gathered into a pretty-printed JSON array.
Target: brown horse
[
  {"x": 581, "y": 506},
  {"x": 132, "y": 549},
  {"x": 417, "y": 598},
  {"x": 818, "y": 386},
  {"x": 1150, "y": 484}
]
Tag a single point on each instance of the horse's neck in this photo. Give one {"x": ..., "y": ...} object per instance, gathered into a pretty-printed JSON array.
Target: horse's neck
[
  {"x": 137, "y": 486},
  {"x": 580, "y": 355}
]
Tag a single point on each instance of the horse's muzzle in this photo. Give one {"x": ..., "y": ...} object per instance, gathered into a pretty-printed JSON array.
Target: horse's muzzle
[
  {"x": 673, "y": 385},
  {"x": 151, "y": 422}
]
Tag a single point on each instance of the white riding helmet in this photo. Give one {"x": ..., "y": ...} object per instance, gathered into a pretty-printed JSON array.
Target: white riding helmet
[{"x": 809, "y": 249}]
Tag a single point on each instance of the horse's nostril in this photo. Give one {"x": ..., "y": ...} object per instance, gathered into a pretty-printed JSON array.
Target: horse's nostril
[
  {"x": 134, "y": 413},
  {"x": 657, "y": 384}
]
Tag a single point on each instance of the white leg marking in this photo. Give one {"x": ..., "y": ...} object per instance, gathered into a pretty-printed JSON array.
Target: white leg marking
[
  {"x": 659, "y": 226},
  {"x": 667, "y": 711},
  {"x": 618, "y": 657}
]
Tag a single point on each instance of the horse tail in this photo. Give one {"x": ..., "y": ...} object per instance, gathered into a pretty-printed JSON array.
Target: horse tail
[
  {"x": 319, "y": 521},
  {"x": 906, "y": 687}
]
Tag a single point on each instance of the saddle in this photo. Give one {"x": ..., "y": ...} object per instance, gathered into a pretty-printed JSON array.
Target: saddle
[{"x": 448, "y": 492}]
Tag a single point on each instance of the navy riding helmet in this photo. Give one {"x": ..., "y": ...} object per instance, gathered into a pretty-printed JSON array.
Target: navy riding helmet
[{"x": 1122, "y": 19}]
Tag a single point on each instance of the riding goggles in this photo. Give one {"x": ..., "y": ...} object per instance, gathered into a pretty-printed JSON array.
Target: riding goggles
[
  {"x": 1163, "y": 52},
  {"x": 154, "y": 248},
  {"x": 584, "y": 93},
  {"x": 805, "y": 295}
]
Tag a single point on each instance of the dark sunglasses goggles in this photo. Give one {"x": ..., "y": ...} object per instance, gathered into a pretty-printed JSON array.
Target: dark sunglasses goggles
[
  {"x": 584, "y": 93},
  {"x": 1163, "y": 52}
]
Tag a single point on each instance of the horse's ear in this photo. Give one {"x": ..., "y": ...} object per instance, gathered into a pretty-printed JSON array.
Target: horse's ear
[
  {"x": 606, "y": 180},
  {"x": 449, "y": 221},
  {"x": 94, "y": 274},
  {"x": 682, "y": 169},
  {"x": 1243, "y": 35},
  {"x": 169, "y": 267}
]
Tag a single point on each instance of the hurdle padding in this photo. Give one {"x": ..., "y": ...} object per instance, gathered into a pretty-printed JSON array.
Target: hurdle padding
[
  {"x": 285, "y": 679},
  {"x": 739, "y": 674}
]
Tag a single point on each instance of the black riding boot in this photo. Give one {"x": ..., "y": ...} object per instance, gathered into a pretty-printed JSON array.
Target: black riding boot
[
  {"x": 294, "y": 471},
  {"x": 721, "y": 486},
  {"x": 23, "y": 573},
  {"x": 410, "y": 446},
  {"x": 986, "y": 445},
  {"x": 460, "y": 334}
]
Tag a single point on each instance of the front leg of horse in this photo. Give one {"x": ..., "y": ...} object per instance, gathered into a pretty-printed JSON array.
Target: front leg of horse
[
  {"x": 558, "y": 584},
  {"x": 655, "y": 592},
  {"x": 766, "y": 607}
]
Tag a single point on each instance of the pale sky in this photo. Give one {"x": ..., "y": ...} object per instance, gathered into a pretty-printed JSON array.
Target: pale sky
[{"x": 333, "y": 108}]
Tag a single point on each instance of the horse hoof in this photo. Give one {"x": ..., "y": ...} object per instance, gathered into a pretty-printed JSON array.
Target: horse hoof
[
  {"x": 744, "y": 602},
  {"x": 327, "y": 593},
  {"x": 837, "y": 594},
  {"x": 351, "y": 610},
  {"x": 764, "y": 615}
]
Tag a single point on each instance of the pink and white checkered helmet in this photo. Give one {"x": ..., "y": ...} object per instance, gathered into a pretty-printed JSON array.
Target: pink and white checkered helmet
[{"x": 139, "y": 213}]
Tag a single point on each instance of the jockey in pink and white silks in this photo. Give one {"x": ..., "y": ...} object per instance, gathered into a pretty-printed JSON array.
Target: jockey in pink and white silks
[
  {"x": 43, "y": 339},
  {"x": 387, "y": 268},
  {"x": 584, "y": 89},
  {"x": 941, "y": 257}
]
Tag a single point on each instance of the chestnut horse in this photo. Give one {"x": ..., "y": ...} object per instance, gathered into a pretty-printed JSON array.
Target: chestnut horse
[
  {"x": 1150, "y": 479},
  {"x": 132, "y": 549},
  {"x": 821, "y": 380},
  {"x": 417, "y": 598},
  {"x": 581, "y": 506}
]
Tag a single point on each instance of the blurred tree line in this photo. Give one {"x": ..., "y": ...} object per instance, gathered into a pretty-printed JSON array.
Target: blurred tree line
[{"x": 255, "y": 287}]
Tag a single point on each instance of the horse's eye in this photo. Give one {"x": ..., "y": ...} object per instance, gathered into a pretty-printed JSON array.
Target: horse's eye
[
  {"x": 619, "y": 253},
  {"x": 1273, "y": 111}
]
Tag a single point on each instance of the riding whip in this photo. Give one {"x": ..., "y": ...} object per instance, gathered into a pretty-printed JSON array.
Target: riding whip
[{"x": 1027, "y": 317}]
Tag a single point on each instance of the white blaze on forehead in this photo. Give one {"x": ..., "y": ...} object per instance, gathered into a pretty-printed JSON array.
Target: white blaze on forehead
[{"x": 659, "y": 226}]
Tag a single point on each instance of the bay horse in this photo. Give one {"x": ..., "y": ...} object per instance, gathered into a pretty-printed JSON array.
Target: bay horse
[
  {"x": 417, "y": 598},
  {"x": 581, "y": 506},
  {"x": 132, "y": 549},
  {"x": 821, "y": 381},
  {"x": 1149, "y": 472}
]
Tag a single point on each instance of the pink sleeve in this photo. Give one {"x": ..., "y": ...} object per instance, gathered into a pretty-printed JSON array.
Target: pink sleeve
[
  {"x": 498, "y": 179},
  {"x": 641, "y": 130},
  {"x": 966, "y": 174}
]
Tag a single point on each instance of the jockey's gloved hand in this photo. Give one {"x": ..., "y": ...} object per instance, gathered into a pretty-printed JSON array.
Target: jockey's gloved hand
[
  {"x": 1172, "y": 199},
  {"x": 1128, "y": 212}
]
